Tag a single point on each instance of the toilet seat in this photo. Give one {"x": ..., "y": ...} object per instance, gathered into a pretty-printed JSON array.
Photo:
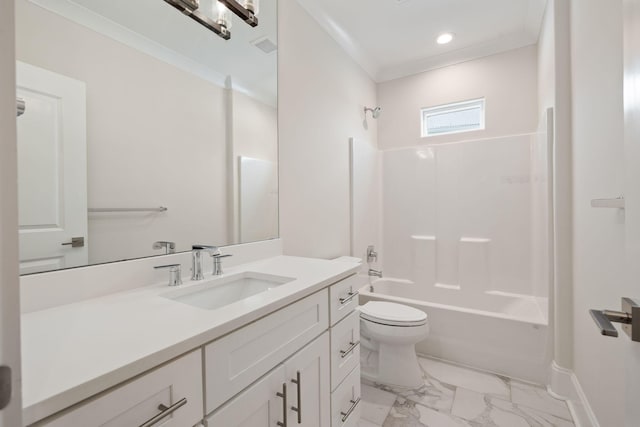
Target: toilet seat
[{"x": 388, "y": 313}]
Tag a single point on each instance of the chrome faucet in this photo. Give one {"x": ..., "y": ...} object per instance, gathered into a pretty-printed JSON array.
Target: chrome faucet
[
  {"x": 175, "y": 271},
  {"x": 196, "y": 259},
  {"x": 372, "y": 255},
  {"x": 217, "y": 262},
  {"x": 375, "y": 273}
]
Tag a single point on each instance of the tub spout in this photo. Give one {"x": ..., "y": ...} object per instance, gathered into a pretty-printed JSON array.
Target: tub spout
[{"x": 375, "y": 273}]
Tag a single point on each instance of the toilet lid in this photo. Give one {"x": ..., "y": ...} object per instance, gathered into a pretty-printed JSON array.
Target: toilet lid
[{"x": 389, "y": 313}]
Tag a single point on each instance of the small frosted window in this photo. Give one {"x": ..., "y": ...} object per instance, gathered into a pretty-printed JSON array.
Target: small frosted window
[{"x": 453, "y": 118}]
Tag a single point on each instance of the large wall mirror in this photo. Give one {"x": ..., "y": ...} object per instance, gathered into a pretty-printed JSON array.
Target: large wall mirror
[{"x": 141, "y": 127}]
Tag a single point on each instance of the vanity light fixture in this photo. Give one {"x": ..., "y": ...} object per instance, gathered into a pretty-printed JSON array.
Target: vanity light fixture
[
  {"x": 191, "y": 8},
  {"x": 247, "y": 10},
  {"x": 444, "y": 38}
]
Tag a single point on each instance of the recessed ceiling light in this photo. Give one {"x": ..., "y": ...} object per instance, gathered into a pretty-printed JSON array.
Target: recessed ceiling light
[{"x": 444, "y": 38}]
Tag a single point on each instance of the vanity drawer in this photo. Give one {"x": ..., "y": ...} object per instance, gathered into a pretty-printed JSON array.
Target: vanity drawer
[
  {"x": 345, "y": 401},
  {"x": 343, "y": 297},
  {"x": 177, "y": 386},
  {"x": 345, "y": 348},
  {"x": 238, "y": 359}
]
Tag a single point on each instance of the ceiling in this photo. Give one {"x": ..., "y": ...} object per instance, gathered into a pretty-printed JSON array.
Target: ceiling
[{"x": 395, "y": 38}]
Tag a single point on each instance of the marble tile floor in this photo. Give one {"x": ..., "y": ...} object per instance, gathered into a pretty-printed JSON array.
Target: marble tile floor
[{"x": 454, "y": 396}]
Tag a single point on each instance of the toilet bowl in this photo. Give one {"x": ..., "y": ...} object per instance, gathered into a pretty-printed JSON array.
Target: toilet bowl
[{"x": 388, "y": 334}]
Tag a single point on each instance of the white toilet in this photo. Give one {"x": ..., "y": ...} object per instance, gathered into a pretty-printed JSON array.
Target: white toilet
[{"x": 388, "y": 334}]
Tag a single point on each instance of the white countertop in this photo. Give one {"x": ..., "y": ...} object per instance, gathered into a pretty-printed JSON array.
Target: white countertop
[{"x": 74, "y": 351}]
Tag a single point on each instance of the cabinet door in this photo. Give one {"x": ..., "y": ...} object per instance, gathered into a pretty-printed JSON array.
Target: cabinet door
[
  {"x": 171, "y": 394},
  {"x": 235, "y": 361},
  {"x": 261, "y": 405},
  {"x": 308, "y": 378}
]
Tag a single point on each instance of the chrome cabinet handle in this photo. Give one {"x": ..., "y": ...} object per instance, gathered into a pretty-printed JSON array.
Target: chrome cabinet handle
[
  {"x": 166, "y": 411},
  {"x": 345, "y": 415},
  {"x": 298, "y": 383},
  {"x": 352, "y": 346},
  {"x": 283, "y": 395},
  {"x": 350, "y": 296}
]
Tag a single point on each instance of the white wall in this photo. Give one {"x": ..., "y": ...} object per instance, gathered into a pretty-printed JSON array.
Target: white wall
[
  {"x": 149, "y": 143},
  {"x": 321, "y": 96},
  {"x": 366, "y": 202},
  {"x": 9, "y": 290},
  {"x": 508, "y": 82},
  {"x": 546, "y": 60},
  {"x": 598, "y": 171}
]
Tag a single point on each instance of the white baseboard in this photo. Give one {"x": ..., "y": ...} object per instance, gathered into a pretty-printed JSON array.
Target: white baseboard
[
  {"x": 564, "y": 385},
  {"x": 560, "y": 383}
]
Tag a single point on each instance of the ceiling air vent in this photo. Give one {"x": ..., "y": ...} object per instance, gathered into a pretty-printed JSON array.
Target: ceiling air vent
[{"x": 265, "y": 45}]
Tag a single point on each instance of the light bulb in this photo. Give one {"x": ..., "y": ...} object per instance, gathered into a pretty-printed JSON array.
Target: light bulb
[
  {"x": 444, "y": 38},
  {"x": 252, "y": 5},
  {"x": 224, "y": 16}
]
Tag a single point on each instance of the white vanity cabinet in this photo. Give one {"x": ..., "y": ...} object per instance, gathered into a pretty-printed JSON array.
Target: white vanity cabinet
[
  {"x": 295, "y": 393},
  {"x": 297, "y": 366},
  {"x": 168, "y": 396}
]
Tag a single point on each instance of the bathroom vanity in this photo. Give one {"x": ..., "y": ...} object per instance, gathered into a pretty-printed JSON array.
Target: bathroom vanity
[{"x": 286, "y": 355}]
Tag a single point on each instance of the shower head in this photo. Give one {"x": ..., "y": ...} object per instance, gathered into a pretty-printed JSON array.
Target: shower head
[{"x": 375, "y": 112}]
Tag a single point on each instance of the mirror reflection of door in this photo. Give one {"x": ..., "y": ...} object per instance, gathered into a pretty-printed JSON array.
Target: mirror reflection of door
[
  {"x": 258, "y": 199},
  {"x": 52, "y": 170}
]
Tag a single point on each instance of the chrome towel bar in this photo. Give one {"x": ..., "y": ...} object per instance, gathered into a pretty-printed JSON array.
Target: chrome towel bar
[{"x": 104, "y": 210}]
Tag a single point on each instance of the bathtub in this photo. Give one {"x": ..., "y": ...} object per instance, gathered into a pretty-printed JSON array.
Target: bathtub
[{"x": 498, "y": 332}]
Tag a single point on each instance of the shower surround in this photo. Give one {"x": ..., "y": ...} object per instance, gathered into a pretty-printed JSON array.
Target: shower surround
[{"x": 465, "y": 237}]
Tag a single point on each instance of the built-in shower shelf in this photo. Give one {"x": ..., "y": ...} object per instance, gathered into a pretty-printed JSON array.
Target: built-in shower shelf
[{"x": 617, "y": 203}]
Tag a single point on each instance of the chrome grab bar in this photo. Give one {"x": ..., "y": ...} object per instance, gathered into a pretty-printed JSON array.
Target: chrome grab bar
[
  {"x": 351, "y": 295},
  {"x": 352, "y": 346},
  {"x": 345, "y": 415},
  {"x": 166, "y": 411},
  {"x": 298, "y": 383},
  {"x": 285, "y": 408}
]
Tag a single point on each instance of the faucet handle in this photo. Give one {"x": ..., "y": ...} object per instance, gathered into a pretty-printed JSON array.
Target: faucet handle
[
  {"x": 217, "y": 263},
  {"x": 169, "y": 247},
  {"x": 209, "y": 248},
  {"x": 175, "y": 273}
]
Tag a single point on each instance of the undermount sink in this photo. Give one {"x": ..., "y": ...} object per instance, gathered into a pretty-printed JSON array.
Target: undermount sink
[{"x": 218, "y": 292}]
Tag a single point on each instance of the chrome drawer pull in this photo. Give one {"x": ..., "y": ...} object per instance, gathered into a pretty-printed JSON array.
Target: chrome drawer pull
[
  {"x": 285, "y": 409},
  {"x": 298, "y": 383},
  {"x": 350, "y": 296},
  {"x": 352, "y": 346},
  {"x": 166, "y": 411},
  {"x": 345, "y": 415}
]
